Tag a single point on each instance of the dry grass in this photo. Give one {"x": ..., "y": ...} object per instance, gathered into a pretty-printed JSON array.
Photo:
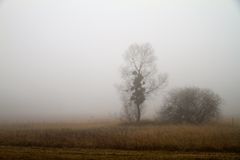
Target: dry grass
[
  {"x": 149, "y": 136},
  {"x": 28, "y": 153}
]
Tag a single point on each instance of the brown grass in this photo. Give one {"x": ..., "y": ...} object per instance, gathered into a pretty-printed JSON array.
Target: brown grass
[
  {"x": 36, "y": 153},
  {"x": 211, "y": 137}
]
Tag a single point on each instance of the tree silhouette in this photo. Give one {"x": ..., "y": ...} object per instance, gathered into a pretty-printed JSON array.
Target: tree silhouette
[
  {"x": 190, "y": 105},
  {"x": 140, "y": 79}
]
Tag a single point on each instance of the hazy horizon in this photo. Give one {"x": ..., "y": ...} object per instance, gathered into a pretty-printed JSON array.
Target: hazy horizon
[{"x": 61, "y": 59}]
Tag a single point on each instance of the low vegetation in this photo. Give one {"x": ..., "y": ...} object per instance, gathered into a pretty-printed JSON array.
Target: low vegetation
[
  {"x": 27, "y": 153},
  {"x": 148, "y": 136}
]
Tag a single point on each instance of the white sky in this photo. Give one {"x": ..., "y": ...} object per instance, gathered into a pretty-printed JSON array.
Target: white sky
[{"x": 61, "y": 58}]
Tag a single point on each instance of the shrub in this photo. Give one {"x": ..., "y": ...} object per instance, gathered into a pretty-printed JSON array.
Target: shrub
[{"x": 190, "y": 105}]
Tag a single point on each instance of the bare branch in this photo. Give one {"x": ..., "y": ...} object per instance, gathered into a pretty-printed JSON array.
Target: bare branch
[{"x": 140, "y": 78}]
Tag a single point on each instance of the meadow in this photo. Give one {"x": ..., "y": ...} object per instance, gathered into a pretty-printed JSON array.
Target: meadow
[{"x": 113, "y": 139}]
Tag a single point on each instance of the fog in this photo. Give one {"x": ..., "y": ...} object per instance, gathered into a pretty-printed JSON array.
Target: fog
[{"x": 61, "y": 59}]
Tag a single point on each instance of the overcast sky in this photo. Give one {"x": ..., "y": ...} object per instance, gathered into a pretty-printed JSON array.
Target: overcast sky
[{"x": 60, "y": 59}]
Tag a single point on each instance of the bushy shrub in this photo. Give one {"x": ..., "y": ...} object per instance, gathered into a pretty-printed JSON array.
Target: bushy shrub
[{"x": 190, "y": 105}]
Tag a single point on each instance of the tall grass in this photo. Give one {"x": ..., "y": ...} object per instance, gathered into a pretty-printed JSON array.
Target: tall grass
[{"x": 211, "y": 137}]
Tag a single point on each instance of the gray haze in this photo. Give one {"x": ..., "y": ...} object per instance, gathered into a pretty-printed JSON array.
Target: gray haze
[{"x": 60, "y": 59}]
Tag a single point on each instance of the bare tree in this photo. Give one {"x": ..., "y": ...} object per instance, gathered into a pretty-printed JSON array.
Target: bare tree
[
  {"x": 140, "y": 79},
  {"x": 190, "y": 105}
]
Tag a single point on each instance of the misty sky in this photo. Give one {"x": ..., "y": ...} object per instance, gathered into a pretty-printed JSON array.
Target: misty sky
[{"x": 60, "y": 59}]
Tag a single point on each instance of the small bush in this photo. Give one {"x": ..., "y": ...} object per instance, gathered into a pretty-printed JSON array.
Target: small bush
[{"x": 190, "y": 105}]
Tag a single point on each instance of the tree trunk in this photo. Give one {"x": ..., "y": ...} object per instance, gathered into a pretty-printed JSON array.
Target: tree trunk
[{"x": 138, "y": 113}]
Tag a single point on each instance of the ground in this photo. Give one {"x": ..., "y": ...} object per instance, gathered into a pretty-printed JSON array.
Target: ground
[
  {"x": 117, "y": 141},
  {"x": 37, "y": 153}
]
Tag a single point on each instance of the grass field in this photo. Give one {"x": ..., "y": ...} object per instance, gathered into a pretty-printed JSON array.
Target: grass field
[
  {"x": 26, "y": 153},
  {"x": 111, "y": 140}
]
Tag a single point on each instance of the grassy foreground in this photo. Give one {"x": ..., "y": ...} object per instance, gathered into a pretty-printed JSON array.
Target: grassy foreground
[
  {"x": 119, "y": 141},
  {"x": 28, "y": 153}
]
